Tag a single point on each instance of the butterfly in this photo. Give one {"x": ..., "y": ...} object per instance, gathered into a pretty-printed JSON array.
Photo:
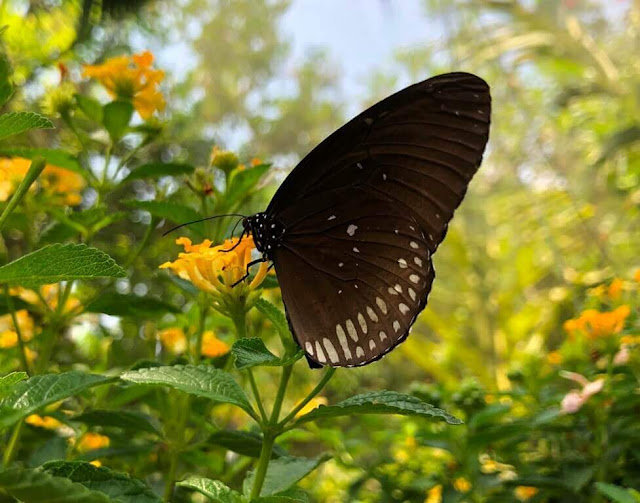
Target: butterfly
[{"x": 353, "y": 228}]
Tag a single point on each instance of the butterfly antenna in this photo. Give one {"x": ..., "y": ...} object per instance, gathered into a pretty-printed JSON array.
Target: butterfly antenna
[{"x": 203, "y": 220}]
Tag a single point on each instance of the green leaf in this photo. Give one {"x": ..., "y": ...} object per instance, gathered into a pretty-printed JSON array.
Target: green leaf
[
  {"x": 115, "y": 118},
  {"x": 173, "y": 212},
  {"x": 90, "y": 106},
  {"x": 158, "y": 169},
  {"x": 116, "y": 304},
  {"x": 291, "y": 496},
  {"x": 616, "y": 493},
  {"x": 212, "y": 489},
  {"x": 200, "y": 380},
  {"x": 275, "y": 316},
  {"x": 380, "y": 402},
  {"x": 19, "y": 122},
  {"x": 59, "y": 262},
  {"x": 243, "y": 182},
  {"x": 127, "y": 420},
  {"x": 28, "y": 396},
  {"x": 245, "y": 443},
  {"x": 283, "y": 473},
  {"x": 6, "y": 87},
  {"x": 118, "y": 486},
  {"x": 9, "y": 381},
  {"x": 55, "y": 157},
  {"x": 36, "y": 486},
  {"x": 251, "y": 352}
]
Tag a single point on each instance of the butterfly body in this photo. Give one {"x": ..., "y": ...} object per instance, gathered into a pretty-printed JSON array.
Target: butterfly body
[{"x": 352, "y": 230}]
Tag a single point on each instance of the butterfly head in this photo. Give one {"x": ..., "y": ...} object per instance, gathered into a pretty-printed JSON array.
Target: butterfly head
[{"x": 267, "y": 232}]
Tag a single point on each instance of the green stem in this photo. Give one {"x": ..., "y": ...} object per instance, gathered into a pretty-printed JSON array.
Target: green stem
[
  {"x": 256, "y": 395},
  {"x": 37, "y": 165},
  {"x": 263, "y": 464},
  {"x": 277, "y": 406},
  {"x": 171, "y": 477},
  {"x": 201, "y": 326},
  {"x": 325, "y": 379},
  {"x": 13, "y": 445},
  {"x": 14, "y": 318}
]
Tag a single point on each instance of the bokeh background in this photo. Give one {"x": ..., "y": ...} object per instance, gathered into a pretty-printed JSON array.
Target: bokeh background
[{"x": 549, "y": 227}]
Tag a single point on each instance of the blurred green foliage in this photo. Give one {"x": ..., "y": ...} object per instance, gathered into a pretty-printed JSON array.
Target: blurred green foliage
[{"x": 531, "y": 335}]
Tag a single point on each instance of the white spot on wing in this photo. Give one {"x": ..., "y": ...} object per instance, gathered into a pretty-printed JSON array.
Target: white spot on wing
[
  {"x": 372, "y": 344},
  {"x": 342, "y": 339},
  {"x": 332, "y": 217},
  {"x": 402, "y": 263},
  {"x": 372, "y": 314},
  {"x": 340, "y": 264},
  {"x": 414, "y": 278},
  {"x": 397, "y": 287},
  {"x": 359, "y": 352},
  {"x": 320, "y": 356},
  {"x": 392, "y": 291},
  {"x": 382, "y": 305},
  {"x": 413, "y": 245},
  {"x": 309, "y": 347},
  {"x": 351, "y": 230},
  {"x": 418, "y": 261},
  {"x": 331, "y": 351},
  {"x": 382, "y": 336},
  {"x": 363, "y": 323},
  {"x": 351, "y": 330},
  {"x": 356, "y": 250},
  {"x": 412, "y": 293},
  {"x": 396, "y": 325},
  {"x": 404, "y": 309}
]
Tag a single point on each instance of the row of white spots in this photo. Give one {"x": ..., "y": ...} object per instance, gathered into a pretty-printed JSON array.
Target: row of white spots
[
  {"x": 382, "y": 305},
  {"x": 351, "y": 330},
  {"x": 363, "y": 323}
]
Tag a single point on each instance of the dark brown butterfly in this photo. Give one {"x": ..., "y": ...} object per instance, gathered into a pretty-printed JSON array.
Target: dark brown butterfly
[{"x": 352, "y": 230}]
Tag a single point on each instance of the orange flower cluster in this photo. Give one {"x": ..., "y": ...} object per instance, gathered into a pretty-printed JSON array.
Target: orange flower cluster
[
  {"x": 91, "y": 441},
  {"x": 175, "y": 340},
  {"x": 596, "y": 324},
  {"x": 62, "y": 185},
  {"x": 214, "y": 269},
  {"x": 131, "y": 79}
]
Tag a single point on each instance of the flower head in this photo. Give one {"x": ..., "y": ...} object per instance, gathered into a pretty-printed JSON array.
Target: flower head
[
  {"x": 61, "y": 185},
  {"x": 212, "y": 347},
  {"x": 215, "y": 269},
  {"x": 434, "y": 495},
  {"x": 131, "y": 79},
  {"x": 8, "y": 333},
  {"x": 596, "y": 324},
  {"x": 91, "y": 441},
  {"x": 575, "y": 399},
  {"x": 47, "y": 422},
  {"x": 461, "y": 485},
  {"x": 174, "y": 339},
  {"x": 524, "y": 493}
]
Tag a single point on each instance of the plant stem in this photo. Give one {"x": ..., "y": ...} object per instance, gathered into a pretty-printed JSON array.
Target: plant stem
[
  {"x": 263, "y": 463},
  {"x": 13, "y": 445},
  {"x": 14, "y": 318},
  {"x": 325, "y": 379},
  {"x": 256, "y": 395},
  {"x": 277, "y": 406},
  {"x": 37, "y": 165},
  {"x": 171, "y": 477}
]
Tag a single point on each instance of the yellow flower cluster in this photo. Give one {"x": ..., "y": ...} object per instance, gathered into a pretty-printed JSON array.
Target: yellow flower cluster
[
  {"x": 596, "y": 324},
  {"x": 46, "y": 422},
  {"x": 524, "y": 493},
  {"x": 212, "y": 347},
  {"x": 214, "y": 269},
  {"x": 175, "y": 340},
  {"x": 8, "y": 334},
  {"x": 91, "y": 441},
  {"x": 48, "y": 297},
  {"x": 131, "y": 79},
  {"x": 63, "y": 185}
]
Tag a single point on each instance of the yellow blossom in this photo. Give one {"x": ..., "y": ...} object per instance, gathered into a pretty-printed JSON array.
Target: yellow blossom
[
  {"x": 554, "y": 358},
  {"x": 314, "y": 403},
  {"x": 46, "y": 422},
  {"x": 212, "y": 347},
  {"x": 636, "y": 275},
  {"x": 62, "y": 185},
  {"x": 630, "y": 339},
  {"x": 524, "y": 493},
  {"x": 615, "y": 288},
  {"x": 95, "y": 462},
  {"x": 224, "y": 159},
  {"x": 596, "y": 324},
  {"x": 8, "y": 333},
  {"x": 174, "y": 339},
  {"x": 461, "y": 485},
  {"x": 434, "y": 495},
  {"x": 131, "y": 79},
  {"x": 255, "y": 162},
  {"x": 215, "y": 269},
  {"x": 91, "y": 441},
  {"x": 50, "y": 294}
]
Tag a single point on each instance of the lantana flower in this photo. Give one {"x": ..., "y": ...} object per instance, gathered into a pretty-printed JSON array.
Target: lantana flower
[
  {"x": 8, "y": 333},
  {"x": 215, "y": 269},
  {"x": 575, "y": 399},
  {"x": 131, "y": 79},
  {"x": 60, "y": 184},
  {"x": 596, "y": 324},
  {"x": 174, "y": 339},
  {"x": 212, "y": 347},
  {"x": 92, "y": 441}
]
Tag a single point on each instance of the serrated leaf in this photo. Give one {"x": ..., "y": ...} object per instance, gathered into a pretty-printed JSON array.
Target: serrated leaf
[
  {"x": 28, "y": 396},
  {"x": 127, "y": 420},
  {"x": 200, "y": 380},
  {"x": 173, "y": 212},
  {"x": 118, "y": 486},
  {"x": 158, "y": 169},
  {"x": 380, "y": 402},
  {"x": 116, "y": 304},
  {"x": 19, "y": 122},
  {"x": 275, "y": 316},
  {"x": 283, "y": 473},
  {"x": 55, "y": 157},
  {"x": 251, "y": 352},
  {"x": 9, "y": 381},
  {"x": 245, "y": 443},
  {"x": 90, "y": 107},
  {"x": 616, "y": 493},
  {"x": 243, "y": 182},
  {"x": 36, "y": 486},
  {"x": 116, "y": 117},
  {"x": 59, "y": 262},
  {"x": 213, "y": 489}
]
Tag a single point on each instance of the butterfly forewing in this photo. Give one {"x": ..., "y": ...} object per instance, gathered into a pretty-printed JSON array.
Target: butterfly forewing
[{"x": 365, "y": 211}]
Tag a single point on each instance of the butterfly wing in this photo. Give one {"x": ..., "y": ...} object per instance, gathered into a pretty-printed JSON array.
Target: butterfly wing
[{"x": 365, "y": 211}]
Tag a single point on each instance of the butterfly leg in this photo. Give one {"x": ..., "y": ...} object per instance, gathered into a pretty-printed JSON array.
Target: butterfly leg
[
  {"x": 246, "y": 274},
  {"x": 235, "y": 245}
]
